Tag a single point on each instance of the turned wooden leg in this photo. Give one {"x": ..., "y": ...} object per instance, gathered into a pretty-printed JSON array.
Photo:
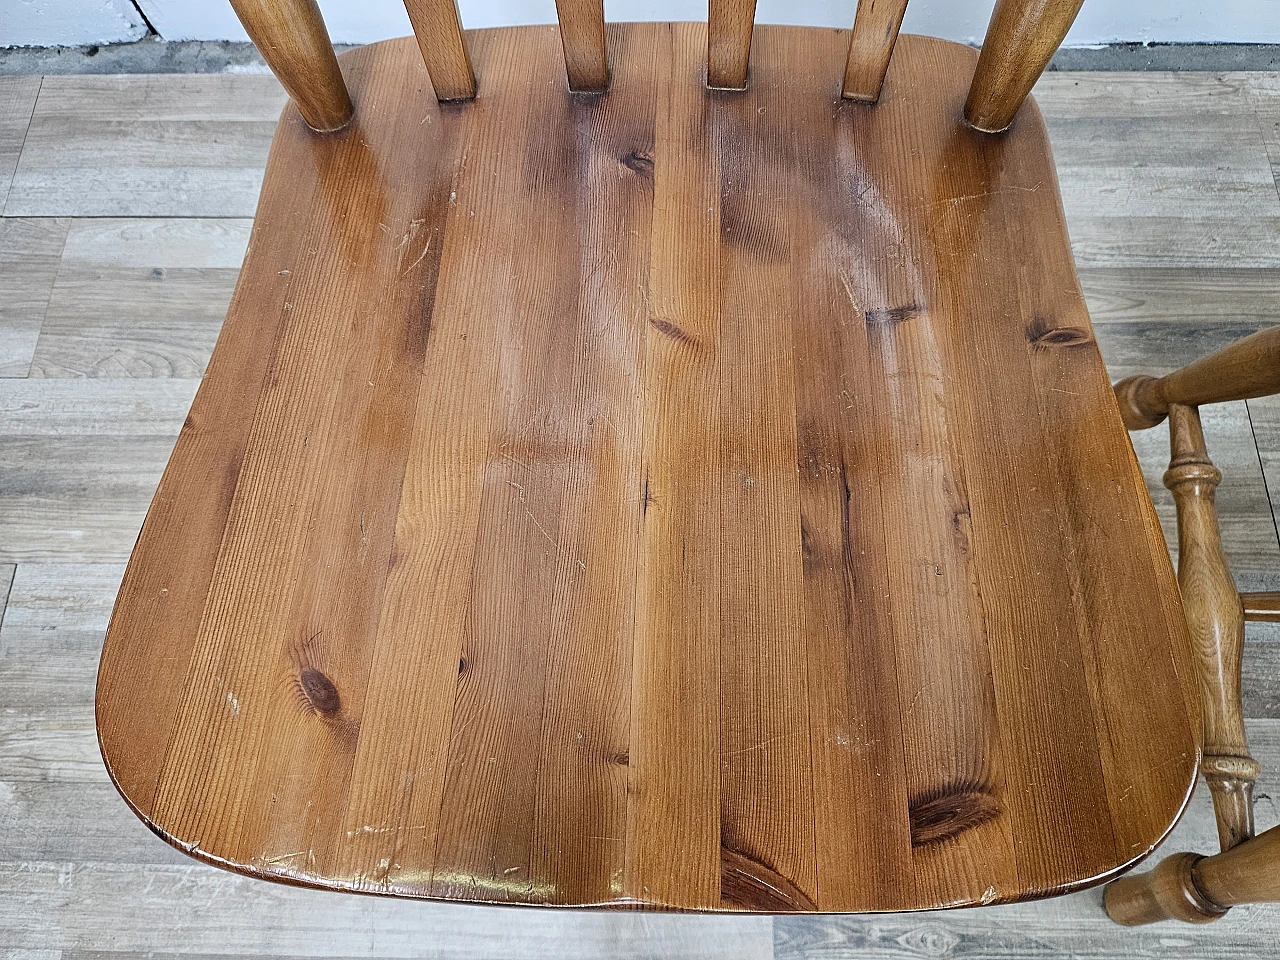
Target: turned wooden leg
[
  {"x": 291, "y": 37},
  {"x": 1021, "y": 38},
  {"x": 1215, "y": 618},
  {"x": 1199, "y": 889},
  {"x": 875, "y": 31},
  {"x": 1246, "y": 369}
]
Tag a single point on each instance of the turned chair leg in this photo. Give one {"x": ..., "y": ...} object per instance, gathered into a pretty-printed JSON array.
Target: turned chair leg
[
  {"x": 1186, "y": 886},
  {"x": 1020, "y": 41},
  {"x": 1199, "y": 889},
  {"x": 1215, "y": 618},
  {"x": 292, "y": 38}
]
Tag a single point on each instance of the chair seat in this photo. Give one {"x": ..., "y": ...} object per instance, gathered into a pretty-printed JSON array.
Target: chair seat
[{"x": 677, "y": 498}]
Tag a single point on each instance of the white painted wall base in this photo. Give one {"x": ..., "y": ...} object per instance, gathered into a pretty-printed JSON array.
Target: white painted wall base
[
  {"x": 39, "y": 23},
  {"x": 361, "y": 21}
]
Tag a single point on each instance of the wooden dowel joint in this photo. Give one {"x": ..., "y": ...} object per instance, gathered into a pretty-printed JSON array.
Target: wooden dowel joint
[
  {"x": 729, "y": 26},
  {"x": 875, "y": 33},
  {"x": 291, "y": 36},
  {"x": 1021, "y": 38},
  {"x": 582, "y": 35},
  {"x": 438, "y": 29},
  {"x": 1263, "y": 607}
]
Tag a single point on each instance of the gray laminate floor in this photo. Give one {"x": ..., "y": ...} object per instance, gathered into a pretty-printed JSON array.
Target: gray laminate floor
[{"x": 126, "y": 207}]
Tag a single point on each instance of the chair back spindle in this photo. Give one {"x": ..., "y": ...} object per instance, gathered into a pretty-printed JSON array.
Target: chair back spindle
[
  {"x": 1021, "y": 38},
  {"x": 875, "y": 31},
  {"x": 582, "y": 36},
  {"x": 729, "y": 24},
  {"x": 291, "y": 36},
  {"x": 438, "y": 29}
]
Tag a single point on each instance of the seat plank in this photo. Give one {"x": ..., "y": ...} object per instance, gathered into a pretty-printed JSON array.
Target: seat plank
[{"x": 676, "y": 498}]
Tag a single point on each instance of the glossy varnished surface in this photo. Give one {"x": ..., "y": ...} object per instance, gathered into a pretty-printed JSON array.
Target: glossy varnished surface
[{"x": 712, "y": 501}]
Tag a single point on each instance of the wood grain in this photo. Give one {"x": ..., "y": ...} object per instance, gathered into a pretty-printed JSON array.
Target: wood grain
[
  {"x": 582, "y": 34},
  {"x": 291, "y": 36},
  {"x": 577, "y": 572},
  {"x": 1022, "y": 36},
  {"x": 875, "y": 31},
  {"x": 160, "y": 146},
  {"x": 30, "y": 251},
  {"x": 729, "y": 33},
  {"x": 1243, "y": 370},
  {"x": 1215, "y": 620},
  {"x": 438, "y": 27},
  {"x": 17, "y": 100}
]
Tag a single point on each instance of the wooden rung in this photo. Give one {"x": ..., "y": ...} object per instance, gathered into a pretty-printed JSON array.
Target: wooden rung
[
  {"x": 1021, "y": 38},
  {"x": 582, "y": 36},
  {"x": 438, "y": 28},
  {"x": 1262, "y": 607},
  {"x": 875, "y": 31},
  {"x": 729, "y": 24},
  {"x": 291, "y": 37}
]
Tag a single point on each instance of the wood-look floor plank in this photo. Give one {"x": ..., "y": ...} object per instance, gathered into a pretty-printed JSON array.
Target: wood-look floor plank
[
  {"x": 52, "y": 633},
  {"x": 17, "y": 100},
  {"x": 186, "y": 146},
  {"x": 30, "y": 251},
  {"x": 76, "y": 497},
  {"x": 1264, "y": 419},
  {"x": 1206, "y": 241},
  {"x": 1174, "y": 95},
  {"x": 123, "y": 408},
  {"x": 169, "y": 242},
  {"x": 105, "y": 321},
  {"x": 1188, "y": 311}
]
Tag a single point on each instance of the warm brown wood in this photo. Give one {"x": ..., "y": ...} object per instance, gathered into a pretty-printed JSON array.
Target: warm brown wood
[
  {"x": 291, "y": 36},
  {"x": 762, "y": 537},
  {"x": 875, "y": 31},
  {"x": 582, "y": 35},
  {"x": 1216, "y": 621},
  {"x": 1020, "y": 40},
  {"x": 729, "y": 32},
  {"x": 1199, "y": 889},
  {"x": 1263, "y": 607},
  {"x": 1246, "y": 369},
  {"x": 438, "y": 27}
]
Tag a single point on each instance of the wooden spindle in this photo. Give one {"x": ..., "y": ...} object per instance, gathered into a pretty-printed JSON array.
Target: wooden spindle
[
  {"x": 1022, "y": 36},
  {"x": 1262, "y": 607},
  {"x": 729, "y": 24},
  {"x": 1246, "y": 369},
  {"x": 291, "y": 36},
  {"x": 438, "y": 27},
  {"x": 586, "y": 58},
  {"x": 875, "y": 31},
  {"x": 1215, "y": 619},
  {"x": 1199, "y": 889}
]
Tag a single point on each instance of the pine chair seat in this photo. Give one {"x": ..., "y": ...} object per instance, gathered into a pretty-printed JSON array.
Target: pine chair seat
[{"x": 668, "y": 497}]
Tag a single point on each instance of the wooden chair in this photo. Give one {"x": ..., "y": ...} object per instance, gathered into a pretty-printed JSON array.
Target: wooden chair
[
  {"x": 1186, "y": 886},
  {"x": 633, "y": 474}
]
